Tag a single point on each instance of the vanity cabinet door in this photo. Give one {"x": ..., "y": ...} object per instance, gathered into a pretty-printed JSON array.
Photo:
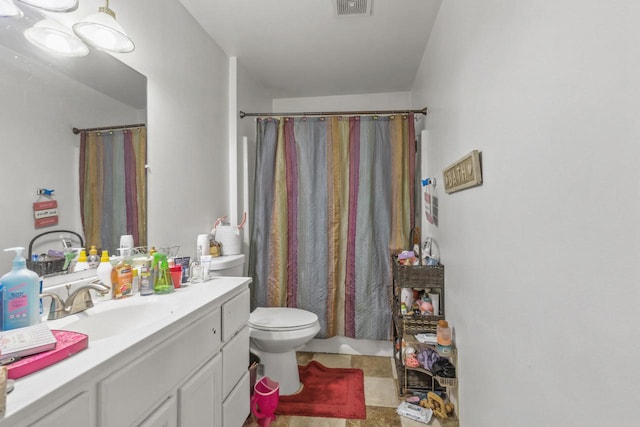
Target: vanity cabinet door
[
  {"x": 236, "y": 408},
  {"x": 165, "y": 416},
  {"x": 74, "y": 413},
  {"x": 200, "y": 398}
]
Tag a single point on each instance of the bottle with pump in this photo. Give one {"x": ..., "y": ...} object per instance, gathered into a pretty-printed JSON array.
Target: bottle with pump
[
  {"x": 163, "y": 283},
  {"x": 81, "y": 263},
  {"x": 21, "y": 296},
  {"x": 104, "y": 274},
  {"x": 93, "y": 260},
  {"x": 122, "y": 280}
]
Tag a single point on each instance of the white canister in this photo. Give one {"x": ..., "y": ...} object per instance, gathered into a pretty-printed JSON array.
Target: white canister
[
  {"x": 230, "y": 237},
  {"x": 202, "y": 244}
]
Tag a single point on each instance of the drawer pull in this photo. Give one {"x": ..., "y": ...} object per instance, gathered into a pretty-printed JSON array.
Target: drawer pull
[{"x": 213, "y": 330}]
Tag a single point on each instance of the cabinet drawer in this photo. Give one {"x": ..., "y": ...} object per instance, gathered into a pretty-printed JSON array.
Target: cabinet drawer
[
  {"x": 235, "y": 360},
  {"x": 235, "y": 409},
  {"x": 129, "y": 393},
  {"x": 235, "y": 314},
  {"x": 165, "y": 416}
]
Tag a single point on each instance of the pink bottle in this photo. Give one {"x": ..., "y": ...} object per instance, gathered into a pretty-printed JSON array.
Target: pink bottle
[{"x": 264, "y": 401}]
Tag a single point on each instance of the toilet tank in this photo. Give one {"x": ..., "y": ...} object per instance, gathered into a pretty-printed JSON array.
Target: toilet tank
[{"x": 227, "y": 265}]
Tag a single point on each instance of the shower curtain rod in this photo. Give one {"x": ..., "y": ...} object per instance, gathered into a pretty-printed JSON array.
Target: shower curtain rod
[
  {"x": 77, "y": 131},
  {"x": 335, "y": 113}
]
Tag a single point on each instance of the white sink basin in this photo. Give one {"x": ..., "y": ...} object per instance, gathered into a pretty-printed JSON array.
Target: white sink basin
[{"x": 111, "y": 318}]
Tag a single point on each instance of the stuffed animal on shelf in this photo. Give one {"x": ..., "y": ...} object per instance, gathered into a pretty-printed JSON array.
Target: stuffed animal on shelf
[
  {"x": 425, "y": 307},
  {"x": 441, "y": 409},
  {"x": 410, "y": 358}
]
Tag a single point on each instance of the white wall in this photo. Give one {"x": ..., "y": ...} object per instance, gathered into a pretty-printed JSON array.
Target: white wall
[
  {"x": 187, "y": 119},
  {"x": 253, "y": 97},
  {"x": 372, "y": 101},
  {"x": 541, "y": 260}
]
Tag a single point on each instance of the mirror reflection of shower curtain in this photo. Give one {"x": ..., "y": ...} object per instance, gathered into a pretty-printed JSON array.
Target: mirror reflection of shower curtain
[
  {"x": 332, "y": 200},
  {"x": 113, "y": 187}
]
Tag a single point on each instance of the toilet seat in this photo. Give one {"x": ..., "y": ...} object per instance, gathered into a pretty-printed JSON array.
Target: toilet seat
[{"x": 281, "y": 319}]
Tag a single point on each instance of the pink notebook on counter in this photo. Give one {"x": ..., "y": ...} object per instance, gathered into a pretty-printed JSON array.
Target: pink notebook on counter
[{"x": 68, "y": 344}]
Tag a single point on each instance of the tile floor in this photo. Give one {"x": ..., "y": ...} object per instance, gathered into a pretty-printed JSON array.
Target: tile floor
[{"x": 380, "y": 392}]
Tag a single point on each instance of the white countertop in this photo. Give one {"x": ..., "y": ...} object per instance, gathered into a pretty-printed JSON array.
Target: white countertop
[{"x": 175, "y": 306}]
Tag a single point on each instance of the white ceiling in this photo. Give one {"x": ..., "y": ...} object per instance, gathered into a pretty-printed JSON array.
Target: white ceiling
[{"x": 301, "y": 48}]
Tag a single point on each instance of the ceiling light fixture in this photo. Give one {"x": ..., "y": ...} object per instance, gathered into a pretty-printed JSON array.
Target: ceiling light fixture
[
  {"x": 102, "y": 31},
  {"x": 53, "y": 5},
  {"x": 53, "y": 37},
  {"x": 9, "y": 10}
]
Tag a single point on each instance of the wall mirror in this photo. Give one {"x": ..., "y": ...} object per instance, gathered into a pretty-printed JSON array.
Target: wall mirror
[{"x": 42, "y": 98}]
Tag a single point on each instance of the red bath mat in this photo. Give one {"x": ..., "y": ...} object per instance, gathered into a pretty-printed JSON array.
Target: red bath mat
[{"x": 327, "y": 392}]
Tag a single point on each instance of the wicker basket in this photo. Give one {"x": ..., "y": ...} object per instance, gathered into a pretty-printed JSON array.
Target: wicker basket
[
  {"x": 414, "y": 276},
  {"x": 46, "y": 265},
  {"x": 417, "y": 379},
  {"x": 418, "y": 324}
]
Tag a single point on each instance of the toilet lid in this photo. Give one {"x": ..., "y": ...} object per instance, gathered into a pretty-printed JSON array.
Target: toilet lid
[{"x": 281, "y": 318}]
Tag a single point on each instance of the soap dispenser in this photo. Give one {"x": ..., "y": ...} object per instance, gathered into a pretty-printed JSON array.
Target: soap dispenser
[
  {"x": 163, "y": 283},
  {"x": 21, "y": 294}
]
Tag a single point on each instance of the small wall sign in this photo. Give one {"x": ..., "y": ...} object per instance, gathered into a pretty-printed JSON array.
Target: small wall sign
[
  {"x": 465, "y": 173},
  {"x": 45, "y": 213}
]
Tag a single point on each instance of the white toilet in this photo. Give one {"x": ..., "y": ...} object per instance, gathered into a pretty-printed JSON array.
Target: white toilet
[{"x": 275, "y": 332}]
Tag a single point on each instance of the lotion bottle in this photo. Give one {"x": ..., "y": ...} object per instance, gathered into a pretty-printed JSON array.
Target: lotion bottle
[
  {"x": 104, "y": 274},
  {"x": 81, "y": 263},
  {"x": 21, "y": 296},
  {"x": 163, "y": 283}
]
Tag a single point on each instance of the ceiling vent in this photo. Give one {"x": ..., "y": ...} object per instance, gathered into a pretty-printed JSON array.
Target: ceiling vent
[{"x": 352, "y": 7}]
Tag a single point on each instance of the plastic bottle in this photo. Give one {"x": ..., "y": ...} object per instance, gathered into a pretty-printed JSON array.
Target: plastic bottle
[
  {"x": 443, "y": 337},
  {"x": 146, "y": 281},
  {"x": 21, "y": 296},
  {"x": 81, "y": 263},
  {"x": 93, "y": 259},
  {"x": 163, "y": 283},
  {"x": 122, "y": 280},
  {"x": 103, "y": 272}
]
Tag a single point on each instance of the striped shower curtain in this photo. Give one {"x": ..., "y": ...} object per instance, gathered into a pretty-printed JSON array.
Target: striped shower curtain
[
  {"x": 333, "y": 198},
  {"x": 113, "y": 187}
]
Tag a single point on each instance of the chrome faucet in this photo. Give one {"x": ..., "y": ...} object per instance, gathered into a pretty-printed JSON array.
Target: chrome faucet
[{"x": 78, "y": 301}]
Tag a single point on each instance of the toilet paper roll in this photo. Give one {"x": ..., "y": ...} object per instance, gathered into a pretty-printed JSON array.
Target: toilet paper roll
[{"x": 202, "y": 244}]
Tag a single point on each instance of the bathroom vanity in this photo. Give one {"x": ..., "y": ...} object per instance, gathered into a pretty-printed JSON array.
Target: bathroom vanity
[{"x": 162, "y": 360}]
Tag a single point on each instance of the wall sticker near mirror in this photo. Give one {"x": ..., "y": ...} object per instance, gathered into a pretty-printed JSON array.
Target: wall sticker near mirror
[{"x": 44, "y": 97}]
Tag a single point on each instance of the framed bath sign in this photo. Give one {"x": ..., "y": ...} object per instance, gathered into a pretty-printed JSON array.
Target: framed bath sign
[{"x": 465, "y": 173}]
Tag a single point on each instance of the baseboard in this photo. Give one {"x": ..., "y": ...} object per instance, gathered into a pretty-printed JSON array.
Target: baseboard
[{"x": 344, "y": 345}]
